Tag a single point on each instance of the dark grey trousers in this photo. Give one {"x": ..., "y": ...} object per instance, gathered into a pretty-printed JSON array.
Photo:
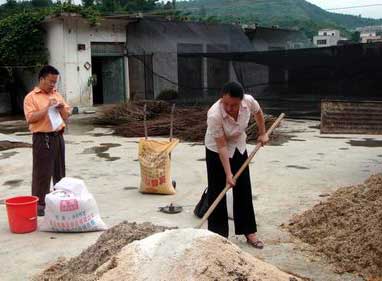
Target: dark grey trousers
[
  {"x": 48, "y": 162},
  {"x": 244, "y": 215}
]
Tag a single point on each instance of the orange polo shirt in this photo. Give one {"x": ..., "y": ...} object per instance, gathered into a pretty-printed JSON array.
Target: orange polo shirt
[{"x": 36, "y": 101}]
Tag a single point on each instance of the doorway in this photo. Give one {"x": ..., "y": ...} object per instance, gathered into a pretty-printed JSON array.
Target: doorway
[{"x": 108, "y": 73}]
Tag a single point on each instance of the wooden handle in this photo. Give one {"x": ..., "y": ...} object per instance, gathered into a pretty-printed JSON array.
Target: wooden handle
[
  {"x": 237, "y": 175},
  {"x": 144, "y": 120},
  {"x": 172, "y": 121}
]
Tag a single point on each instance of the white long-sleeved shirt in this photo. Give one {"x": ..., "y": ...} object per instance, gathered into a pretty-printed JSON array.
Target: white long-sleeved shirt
[{"x": 220, "y": 123}]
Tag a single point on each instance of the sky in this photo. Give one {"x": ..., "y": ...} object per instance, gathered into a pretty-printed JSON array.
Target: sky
[{"x": 371, "y": 11}]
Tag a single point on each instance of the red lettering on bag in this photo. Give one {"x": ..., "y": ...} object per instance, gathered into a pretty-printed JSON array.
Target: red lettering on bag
[
  {"x": 69, "y": 205},
  {"x": 154, "y": 182},
  {"x": 162, "y": 180}
]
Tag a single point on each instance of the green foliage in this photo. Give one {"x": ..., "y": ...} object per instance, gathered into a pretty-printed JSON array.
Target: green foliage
[
  {"x": 12, "y": 7},
  {"x": 168, "y": 6},
  {"x": 139, "y": 5},
  {"x": 21, "y": 34},
  {"x": 41, "y": 3},
  {"x": 113, "y": 6},
  {"x": 355, "y": 37},
  {"x": 109, "y": 6},
  {"x": 22, "y": 37},
  {"x": 10, "y": 4},
  {"x": 175, "y": 15},
  {"x": 87, "y": 3},
  {"x": 22, "y": 40},
  {"x": 91, "y": 14}
]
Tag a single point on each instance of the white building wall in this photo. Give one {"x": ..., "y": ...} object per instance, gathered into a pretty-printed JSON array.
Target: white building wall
[
  {"x": 331, "y": 36},
  {"x": 63, "y": 37},
  {"x": 329, "y": 32},
  {"x": 55, "y": 44},
  {"x": 330, "y": 41},
  {"x": 369, "y": 37},
  {"x": 368, "y": 34}
]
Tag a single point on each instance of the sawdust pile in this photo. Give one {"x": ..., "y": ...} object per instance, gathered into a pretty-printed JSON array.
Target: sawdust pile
[
  {"x": 347, "y": 228},
  {"x": 189, "y": 122},
  {"x": 84, "y": 266},
  {"x": 189, "y": 254},
  {"x": 178, "y": 254}
]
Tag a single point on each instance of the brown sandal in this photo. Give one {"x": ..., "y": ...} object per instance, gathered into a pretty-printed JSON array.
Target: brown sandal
[{"x": 256, "y": 244}]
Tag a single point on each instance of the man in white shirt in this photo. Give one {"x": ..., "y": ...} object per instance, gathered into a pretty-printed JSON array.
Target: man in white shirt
[{"x": 225, "y": 141}]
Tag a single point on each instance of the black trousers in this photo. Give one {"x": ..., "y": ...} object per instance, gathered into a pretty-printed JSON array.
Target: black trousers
[
  {"x": 244, "y": 215},
  {"x": 48, "y": 162}
]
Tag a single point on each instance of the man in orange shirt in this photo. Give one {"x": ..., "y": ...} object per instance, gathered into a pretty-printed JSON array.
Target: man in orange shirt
[{"x": 46, "y": 111}]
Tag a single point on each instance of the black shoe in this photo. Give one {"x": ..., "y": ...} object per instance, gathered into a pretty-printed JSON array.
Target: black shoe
[{"x": 40, "y": 211}]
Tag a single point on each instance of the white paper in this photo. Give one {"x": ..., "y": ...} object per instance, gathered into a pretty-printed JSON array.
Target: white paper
[{"x": 55, "y": 117}]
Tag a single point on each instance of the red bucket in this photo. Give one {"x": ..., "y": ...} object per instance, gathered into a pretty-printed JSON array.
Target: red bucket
[{"x": 22, "y": 213}]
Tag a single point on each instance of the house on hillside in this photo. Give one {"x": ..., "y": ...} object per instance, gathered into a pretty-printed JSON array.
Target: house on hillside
[
  {"x": 328, "y": 38},
  {"x": 370, "y": 37}
]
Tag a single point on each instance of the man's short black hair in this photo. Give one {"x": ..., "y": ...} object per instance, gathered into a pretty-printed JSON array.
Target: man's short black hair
[
  {"x": 233, "y": 89},
  {"x": 46, "y": 70}
]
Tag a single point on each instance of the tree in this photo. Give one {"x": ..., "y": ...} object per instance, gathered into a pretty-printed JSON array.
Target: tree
[
  {"x": 139, "y": 5},
  {"x": 12, "y": 7},
  {"x": 87, "y": 3},
  {"x": 168, "y": 6},
  {"x": 11, "y": 4},
  {"x": 355, "y": 37},
  {"x": 22, "y": 35},
  {"x": 22, "y": 40},
  {"x": 109, "y": 5},
  {"x": 41, "y": 3}
]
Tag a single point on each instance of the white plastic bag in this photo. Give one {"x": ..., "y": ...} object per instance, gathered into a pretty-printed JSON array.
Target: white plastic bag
[{"x": 71, "y": 208}]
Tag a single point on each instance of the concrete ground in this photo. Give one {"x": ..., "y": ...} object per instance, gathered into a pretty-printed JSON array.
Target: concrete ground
[{"x": 288, "y": 177}]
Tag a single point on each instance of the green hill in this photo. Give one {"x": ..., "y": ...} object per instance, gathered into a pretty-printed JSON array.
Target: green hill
[{"x": 284, "y": 13}]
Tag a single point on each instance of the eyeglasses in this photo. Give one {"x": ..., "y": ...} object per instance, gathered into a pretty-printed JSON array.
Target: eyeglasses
[{"x": 50, "y": 82}]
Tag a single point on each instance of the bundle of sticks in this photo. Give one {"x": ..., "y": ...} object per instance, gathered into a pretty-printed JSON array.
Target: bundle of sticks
[{"x": 189, "y": 122}]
